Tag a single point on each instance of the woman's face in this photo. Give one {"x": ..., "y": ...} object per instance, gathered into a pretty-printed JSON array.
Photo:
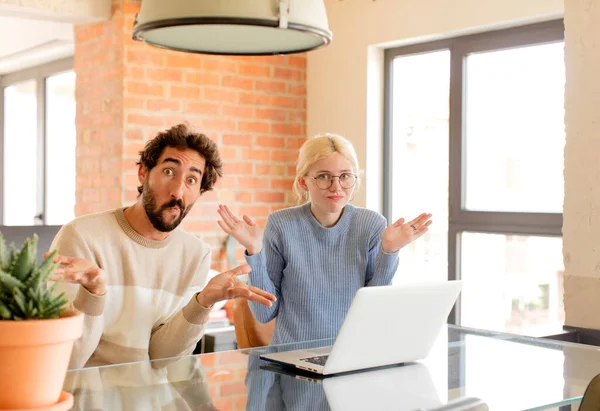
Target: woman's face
[{"x": 330, "y": 183}]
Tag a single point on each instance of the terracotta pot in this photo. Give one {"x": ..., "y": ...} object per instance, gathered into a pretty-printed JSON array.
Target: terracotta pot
[{"x": 34, "y": 357}]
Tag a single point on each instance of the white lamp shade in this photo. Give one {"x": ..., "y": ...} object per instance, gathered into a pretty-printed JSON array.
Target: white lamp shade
[{"x": 234, "y": 27}]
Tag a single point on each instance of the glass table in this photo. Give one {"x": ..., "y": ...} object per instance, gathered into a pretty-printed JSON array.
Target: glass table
[{"x": 487, "y": 370}]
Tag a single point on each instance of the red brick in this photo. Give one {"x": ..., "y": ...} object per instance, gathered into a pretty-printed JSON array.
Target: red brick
[
  {"x": 136, "y": 87},
  {"x": 271, "y": 86},
  {"x": 270, "y": 169},
  {"x": 295, "y": 89},
  {"x": 237, "y": 82},
  {"x": 291, "y": 102},
  {"x": 164, "y": 74},
  {"x": 267, "y": 141},
  {"x": 219, "y": 64},
  {"x": 134, "y": 103},
  {"x": 238, "y": 111},
  {"x": 229, "y": 153},
  {"x": 272, "y": 60},
  {"x": 266, "y": 197},
  {"x": 297, "y": 61},
  {"x": 284, "y": 156},
  {"x": 243, "y": 197},
  {"x": 133, "y": 149},
  {"x": 142, "y": 120},
  {"x": 110, "y": 195},
  {"x": 254, "y": 211},
  {"x": 254, "y": 99},
  {"x": 200, "y": 107},
  {"x": 253, "y": 182},
  {"x": 297, "y": 116},
  {"x": 131, "y": 180},
  {"x": 254, "y": 70},
  {"x": 226, "y": 196},
  {"x": 240, "y": 403},
  {"x": 287, "y": 129},
  {"x": 182, "y": 60},
  {"x": 90, "y": 195},
  {"x": 282, "y": 184},
  {"x": 294, "y": 143},
  {"x": 209, "y": 197},
  {"x": 143, "y": 57},
  {"x": 130, "y": 7},
  {"x": 223, "y": 405},
  {"x": 219, "y": 124},
  {"x": 201, "y": 78},
  {"x": 187, "y": 92},
  {"x": 294, "y": 75},
  {"x": 163, "y": 105},
  {"x": 263, "y": 155},
  {"x": 219, "y": 94},
  {"x": 131, "y": 195},
  {"x": 200, "y": 226},
  {"x": 237, "y": 140},
  {"x": 237, "y": 168},
  {"x": 271, "y": 114},
  {"x": 253, "y": 127}
]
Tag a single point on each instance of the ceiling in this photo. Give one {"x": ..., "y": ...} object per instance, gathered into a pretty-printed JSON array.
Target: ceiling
[{"x": 32, "y": 42}]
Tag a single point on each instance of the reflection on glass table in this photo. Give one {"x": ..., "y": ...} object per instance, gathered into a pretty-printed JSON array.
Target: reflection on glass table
[{"x": 467, "y": 368}]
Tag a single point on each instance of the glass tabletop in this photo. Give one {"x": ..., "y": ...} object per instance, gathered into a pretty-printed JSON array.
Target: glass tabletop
[{"x": 488, "y": 370}]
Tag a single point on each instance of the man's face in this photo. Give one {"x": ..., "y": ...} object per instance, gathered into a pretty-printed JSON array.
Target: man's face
[{"x": 172, "y": 187}]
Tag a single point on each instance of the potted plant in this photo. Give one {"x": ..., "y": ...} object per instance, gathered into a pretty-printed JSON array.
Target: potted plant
[{"x": 37, "y": 331}]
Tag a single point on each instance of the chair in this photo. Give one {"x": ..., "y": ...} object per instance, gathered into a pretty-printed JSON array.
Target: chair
[{"x": 249, "y": 332}]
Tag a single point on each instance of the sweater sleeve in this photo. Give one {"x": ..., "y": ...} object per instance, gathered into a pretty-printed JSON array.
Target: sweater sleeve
[
  {"x": 381, "y": 266},
  {"x": 267, "y": 272},
  {"x": 70, "y": 243},
  {"x": 182, "y": 331}
]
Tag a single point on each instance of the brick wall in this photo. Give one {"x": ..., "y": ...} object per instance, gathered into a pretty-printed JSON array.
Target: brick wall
[{"x": 253, "y": 107}]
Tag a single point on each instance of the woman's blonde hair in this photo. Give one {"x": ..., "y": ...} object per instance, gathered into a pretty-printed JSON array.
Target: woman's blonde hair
[{"x": 317, "y": 148}]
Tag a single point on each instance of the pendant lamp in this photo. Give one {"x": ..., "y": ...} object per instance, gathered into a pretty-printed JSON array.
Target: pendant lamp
[{"x": 234, "y": 27}]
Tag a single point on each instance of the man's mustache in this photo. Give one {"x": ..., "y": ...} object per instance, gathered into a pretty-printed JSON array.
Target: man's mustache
[{"x": 174, "y": 203}]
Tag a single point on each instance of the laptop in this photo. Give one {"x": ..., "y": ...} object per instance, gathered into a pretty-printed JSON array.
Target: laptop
[{"x": 384, "y": 326}]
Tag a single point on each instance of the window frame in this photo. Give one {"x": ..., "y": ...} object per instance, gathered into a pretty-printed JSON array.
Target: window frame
[
  {"x": 460, "y": 219},
  {"x": 39, "y": 74}
]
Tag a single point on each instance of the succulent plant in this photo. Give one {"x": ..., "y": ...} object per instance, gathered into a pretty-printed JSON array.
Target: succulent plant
[{"x": 24, "y": 293}]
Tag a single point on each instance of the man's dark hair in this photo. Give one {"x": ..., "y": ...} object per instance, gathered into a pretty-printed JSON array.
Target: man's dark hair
[{"x": 181, "y": 137}]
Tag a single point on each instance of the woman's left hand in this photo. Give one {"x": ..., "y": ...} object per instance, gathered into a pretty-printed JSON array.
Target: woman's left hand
[{"x": 402, "y": 233}]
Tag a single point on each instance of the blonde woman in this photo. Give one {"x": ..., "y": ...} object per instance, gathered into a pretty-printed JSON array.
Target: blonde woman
[{"x": 314, "y": 257}]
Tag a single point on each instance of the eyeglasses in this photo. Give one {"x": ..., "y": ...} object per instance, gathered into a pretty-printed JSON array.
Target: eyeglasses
[{"x": 324, "y": 181}]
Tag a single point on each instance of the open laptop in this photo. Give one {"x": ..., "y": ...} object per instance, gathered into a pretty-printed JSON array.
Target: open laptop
[{"x": 384, "y": 326}]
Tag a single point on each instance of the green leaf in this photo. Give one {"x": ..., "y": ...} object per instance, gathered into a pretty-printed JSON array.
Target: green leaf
[
  {"x": 23, "y": 284},
  {"x": 5, "y": 312},
  {"x": 23, "y": 265},
  {"x": 4, "y": 254},
  {"x": 10, "y": 282},
  {"x": 48, "y": 264},
  {"x": 19, "y": 299}
]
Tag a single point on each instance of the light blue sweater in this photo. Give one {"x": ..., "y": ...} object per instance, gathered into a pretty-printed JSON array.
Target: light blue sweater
[{"x": 315, "y": 271}]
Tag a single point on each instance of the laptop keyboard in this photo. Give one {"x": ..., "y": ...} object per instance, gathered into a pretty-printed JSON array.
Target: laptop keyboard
[{"x": 318, "y": 360}]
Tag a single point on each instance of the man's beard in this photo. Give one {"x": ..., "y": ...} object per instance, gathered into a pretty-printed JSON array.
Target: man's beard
[{"x": 155, "y": 214}]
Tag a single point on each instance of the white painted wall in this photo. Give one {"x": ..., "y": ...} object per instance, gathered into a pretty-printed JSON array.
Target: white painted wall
[
  {"x": 581, "y": 226},
  {"x": 70, "y": 11},
  {"x": 345, "y": 79}
]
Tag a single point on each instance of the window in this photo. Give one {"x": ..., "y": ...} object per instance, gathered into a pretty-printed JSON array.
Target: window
[
  {"x": 475, "y": 133},
  {"x": 37, "y": 146}
]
